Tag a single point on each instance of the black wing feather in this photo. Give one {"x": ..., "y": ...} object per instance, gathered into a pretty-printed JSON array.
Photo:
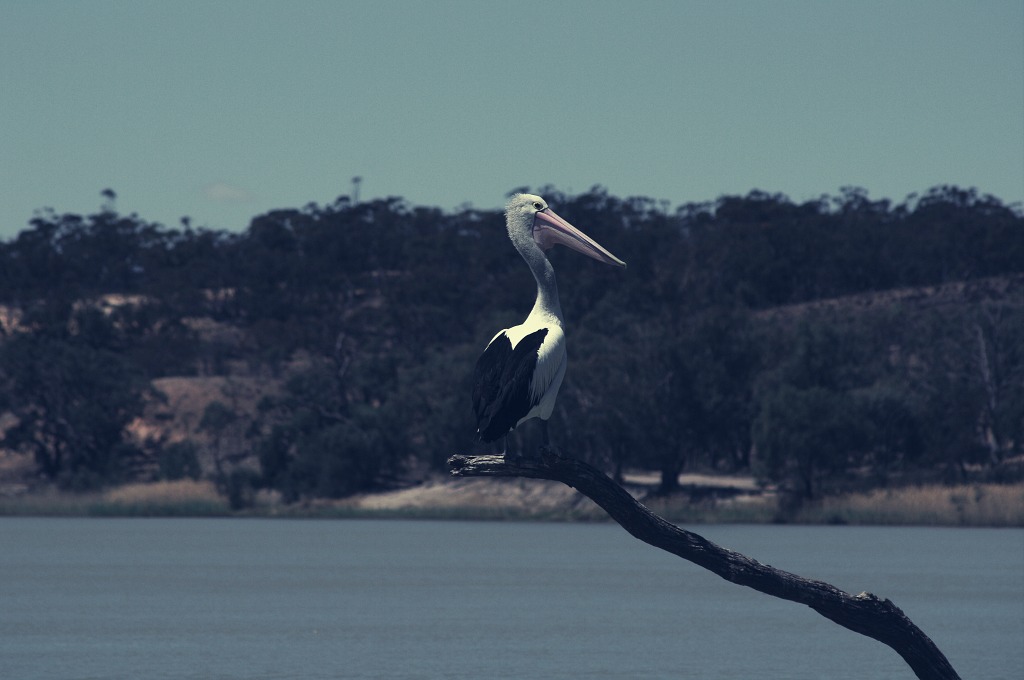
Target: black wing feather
[{"x": 501, "y": 383}]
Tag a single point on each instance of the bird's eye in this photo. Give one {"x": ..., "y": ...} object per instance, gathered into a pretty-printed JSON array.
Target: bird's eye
[{"x": 538, "y": 206}]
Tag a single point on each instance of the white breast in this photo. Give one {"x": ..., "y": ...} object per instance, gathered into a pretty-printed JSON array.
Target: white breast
[{"x": 551, "y": 362}]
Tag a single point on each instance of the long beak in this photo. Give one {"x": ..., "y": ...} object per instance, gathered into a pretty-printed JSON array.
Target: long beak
[{"x": 550, "y": 229}]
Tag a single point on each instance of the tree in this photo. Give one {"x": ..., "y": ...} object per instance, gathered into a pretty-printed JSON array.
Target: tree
[
  {"x": 665, "y": 396},
  {"x": 72, "y": 401},
  {"x": 998, "y": 330},
  {"x": 806, "y": 438},
  {"x": 323, "y": 443},
  {"x": 179, "y": 460},
  {"x": 217, "y": 419},
  {"x": 968, "y": 374},
  {"x": 808, "y": 431}
]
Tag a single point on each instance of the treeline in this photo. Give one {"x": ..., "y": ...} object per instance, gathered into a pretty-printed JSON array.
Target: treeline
[{"x": 751, "y": 333}]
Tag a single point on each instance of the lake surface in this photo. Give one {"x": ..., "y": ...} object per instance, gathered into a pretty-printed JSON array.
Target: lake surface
[{"x": 237, "y": 598}]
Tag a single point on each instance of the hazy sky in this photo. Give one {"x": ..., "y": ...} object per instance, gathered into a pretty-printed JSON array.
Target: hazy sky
[{"x": 223, "y": 110}]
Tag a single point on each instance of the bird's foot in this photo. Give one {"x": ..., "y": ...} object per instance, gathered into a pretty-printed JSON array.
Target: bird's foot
[
  {"x": 527, "y": 455},
  {"x": 548, "y": 451}
]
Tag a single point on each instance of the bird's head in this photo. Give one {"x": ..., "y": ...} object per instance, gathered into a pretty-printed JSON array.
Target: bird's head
[{"x": 529, "y": 219}]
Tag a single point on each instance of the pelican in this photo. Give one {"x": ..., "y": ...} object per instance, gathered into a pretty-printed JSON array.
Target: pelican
[{"x": 518, "y": 375}]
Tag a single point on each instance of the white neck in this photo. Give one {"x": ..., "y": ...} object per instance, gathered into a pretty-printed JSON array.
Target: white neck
[{"x": 546, "y": 307}]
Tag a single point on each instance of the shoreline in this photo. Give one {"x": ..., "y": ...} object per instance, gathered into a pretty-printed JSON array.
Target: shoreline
[{"x": 967, "y": 505}]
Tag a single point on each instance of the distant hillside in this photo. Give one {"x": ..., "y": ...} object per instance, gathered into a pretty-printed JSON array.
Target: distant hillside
[
  {"x": 1007, "y": 289},
  {"x": 837, "y": 344}
]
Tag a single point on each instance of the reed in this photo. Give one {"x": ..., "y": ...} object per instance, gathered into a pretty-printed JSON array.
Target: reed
[
  {"x": 49, "y": 504},
  {"x": 180, "y": 498},
  {"x": 980, "y": 505},
  {"x": 681, "y": 510}
]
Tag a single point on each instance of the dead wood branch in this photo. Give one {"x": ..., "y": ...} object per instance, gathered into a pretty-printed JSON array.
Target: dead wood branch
[{"x": 866, "y": 614}]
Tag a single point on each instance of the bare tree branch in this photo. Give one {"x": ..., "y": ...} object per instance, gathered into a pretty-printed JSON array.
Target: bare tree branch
[{"x": 866, "y": 614}]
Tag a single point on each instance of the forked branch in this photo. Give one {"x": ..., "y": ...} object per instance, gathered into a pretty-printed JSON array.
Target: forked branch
[{"x": 866, "y": 614}]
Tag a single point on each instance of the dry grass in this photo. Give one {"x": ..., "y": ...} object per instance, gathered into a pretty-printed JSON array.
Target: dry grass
[
  {"x": 181, "y": 497},
  {"x": 980, "y": 505},
  {"x": 974, "y": 505},
  {"x": 681, "y": 510},
  {"x": 179, "y": 491},
  {"x": 990, "y": 505}
]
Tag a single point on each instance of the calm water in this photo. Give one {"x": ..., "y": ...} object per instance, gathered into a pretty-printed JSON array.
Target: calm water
[{"x": 180, "y": 598}]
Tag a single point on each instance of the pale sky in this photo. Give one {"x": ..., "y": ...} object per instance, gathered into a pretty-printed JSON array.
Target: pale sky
[{"x": 221, "y": 110}]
